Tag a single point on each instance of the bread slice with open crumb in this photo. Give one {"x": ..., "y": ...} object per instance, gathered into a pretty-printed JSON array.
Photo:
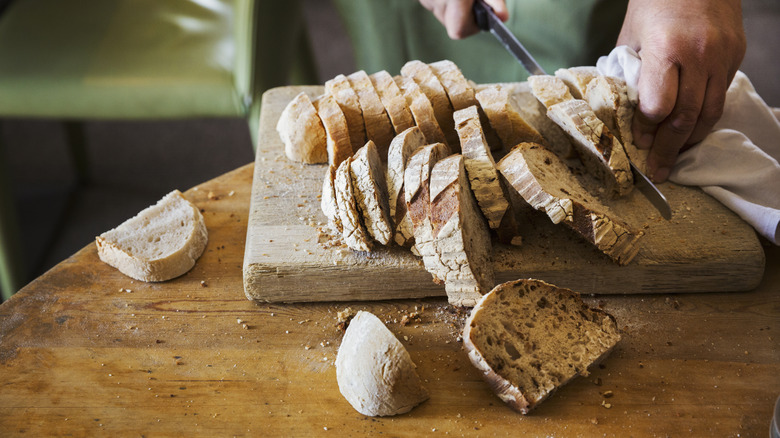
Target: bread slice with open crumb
[
  {"x": 528, "y": 338},
  {"x": 161, "y": 242}
]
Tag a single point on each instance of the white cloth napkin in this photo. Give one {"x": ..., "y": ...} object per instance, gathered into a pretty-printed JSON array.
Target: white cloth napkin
[{"x": 737, "y": 163}]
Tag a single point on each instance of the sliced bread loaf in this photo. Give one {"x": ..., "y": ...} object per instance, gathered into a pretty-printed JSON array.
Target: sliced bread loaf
[
  {"x": 159, "y": 243},
  {"x": 528, "y": 338},
  {"x": 347, "y": 98},
  {"x": 462, "y": 256},
  {"x": 370, "y": 188},
  {"x": 374, "y": 371},
  {"x": 377, "y": 123},
  {"x": 401, "y": 148},
  {"x": 301, "y": 131},
  {"x": 548, "y": 185},
  {"x": 393, "y": 100}
]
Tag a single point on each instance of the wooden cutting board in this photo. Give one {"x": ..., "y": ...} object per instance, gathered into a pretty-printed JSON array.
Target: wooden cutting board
[{"x": 290, "y": 256}]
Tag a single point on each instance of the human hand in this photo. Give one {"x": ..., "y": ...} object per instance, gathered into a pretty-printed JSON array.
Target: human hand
[
  {"x": 457, "y": 17},
  {"x": 690, "y": 52}
]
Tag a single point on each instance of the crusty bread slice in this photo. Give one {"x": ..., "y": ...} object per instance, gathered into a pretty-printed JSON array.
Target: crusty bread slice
[
  {"x": 461, "y": 240},
  {"x": 608, "y": 97},
  {"x": 328, "y": 202},
  {"x": 353, "y": 231},
  {"x": 577, "y": 79},
  {"x": 433, "y": 89},
  {"x": 377, "y": 123},
  {"x": 370, "y": 188},
  {"x": 401, "y": 148},
  {"x": 505, "y": 117},
  {"x": 161, "y": 242},
  {"x": 340, "y": 88},
  {"x": 417, "y": 194},
  {"x": 480, "y": 166},
  {"x": 374, "y": 371},
  {"x": 528, "y": 338},
  {"x": 339, "y": 146},
  {"x": 301, "y": 131},
  {"x": 422, "y": 110},
  {"x": 549, "y": 89},
  {"x": 599, "y": 150},
  {"x": 548, "y": 185},
  {"x": 393, "y": 100}
]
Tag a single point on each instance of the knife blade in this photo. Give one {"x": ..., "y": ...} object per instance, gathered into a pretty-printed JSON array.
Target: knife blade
[{"x": 488, "y": 21}]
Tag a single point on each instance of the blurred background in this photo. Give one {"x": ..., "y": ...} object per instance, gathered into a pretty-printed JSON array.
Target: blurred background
[{"x": 134, "y": 163}]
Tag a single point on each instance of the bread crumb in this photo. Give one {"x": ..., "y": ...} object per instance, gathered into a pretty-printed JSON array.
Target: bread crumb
[
  {"x": 203, "y": 283},
  {"x": 343, "y": 317},
  {"x": 516, "y": 241},
  {"x": 605, "y": 404},
  {"x": 594, "y": 420},
  {"x": 607, "y": 394},
  {"x": 212, "y": 196}
]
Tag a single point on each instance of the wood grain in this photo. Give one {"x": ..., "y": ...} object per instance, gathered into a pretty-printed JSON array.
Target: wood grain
[
  {"x": 81, "y": 355},
  {"x": 704, "y": 248}
]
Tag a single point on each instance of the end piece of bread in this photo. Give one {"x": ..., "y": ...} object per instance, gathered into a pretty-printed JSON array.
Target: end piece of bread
[
  {"x": 549, "y": 89},
  {"x": 433, "y": 89},
  {"x": 393, "y": 100},
  {"x": 577, "y": 79},
  {"x": 505, "y": 118},
  {"x": 339, "y": 145},
  {"x": 548, "y": 185},
  {"x": 599, "y": 150},
  {"x": 301, "y": 131},
  {"x": 353, "y": 231},
  {"x": 480, "y": 166},
  {"x": 370, "y": 188},
  {"x": 374, "y": 371},
  {"x": 401, "y": 148},
  {"x": 528, "y": 338},
  {"x": 377, "y": 123},
  {"x": 462, "y": 256},
  {"x": 347, "y": 98},
  {"x": 161, "y": 242}
]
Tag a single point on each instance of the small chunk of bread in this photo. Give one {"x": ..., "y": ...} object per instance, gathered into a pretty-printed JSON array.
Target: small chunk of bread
[
  {"x": 599, "y": 150},
  {"x": 353, "y": 231},
  {"x": 401, "y": 148},
  {"x": 548, "y": 185},
  {"x": 528, "y": 338},
  {"x": 462, "y": 256},
  {"x": 161, "y": 242},
  {"x": 340, "y": 88},
  {"x": 374, "y": 371},
  {"x": 375, "y": 119},
  {"x": 393, "y": 100},
  {"x": 370, "y": 188},
  {"x": 301, "y": 131},
  {"x": 339, "y": 146}
]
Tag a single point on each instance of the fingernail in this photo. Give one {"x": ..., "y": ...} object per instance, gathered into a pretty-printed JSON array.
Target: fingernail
[
  {"x": 660, "y": 175},
  {"x": 645, "y": 141}
]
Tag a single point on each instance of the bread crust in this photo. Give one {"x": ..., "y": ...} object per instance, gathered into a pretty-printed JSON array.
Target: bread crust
[{"x": 175, "y": 262}]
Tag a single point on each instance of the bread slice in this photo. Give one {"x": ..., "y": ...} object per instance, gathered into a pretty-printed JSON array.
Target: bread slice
[
  {"x": 301, "y": 131},
  {"x": 339, "y": 145},
  {"x": 422, "y": 110},
  {"x": 393, "y": 100},
  {"x": 608, "y": 97},
  {"x": 161, "y": 242},
  {"x": 433, "y": 89},
  {"x": 417, "y": 194},
  {"x": 505, "y": 118},
  {"x": 340, "y": 88},
  {"x": 328, "y": 202},
  {"x": 548, "y": 185},
  {"x": 374, "y": 371},
  {"x": 461, "y": 240},
  {"x": 370, "y": 188},
  {"x": 481, "y": 169},
  {"x": 377, "y": 123},
  {"x": 549, "y": 89},
  {"x": 599, "y": 150},
  {"x": 353, "y": 231},
  {"x": 401, "y": 148},
  {"x": 577, "y": 79},
  {"x": 528, "y": 338}
]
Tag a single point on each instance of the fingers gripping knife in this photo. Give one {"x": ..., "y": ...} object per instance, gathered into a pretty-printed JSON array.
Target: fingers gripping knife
[{"x": 488, "y": 21}]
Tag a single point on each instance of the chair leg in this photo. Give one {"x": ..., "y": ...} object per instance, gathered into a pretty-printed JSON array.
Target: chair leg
[
  {"x": 77, "y": 143},
  {"x": 11, "y": 258}
]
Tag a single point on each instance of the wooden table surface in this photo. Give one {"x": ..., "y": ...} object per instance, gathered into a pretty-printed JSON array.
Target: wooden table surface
[{"x": 86, "y": 351}]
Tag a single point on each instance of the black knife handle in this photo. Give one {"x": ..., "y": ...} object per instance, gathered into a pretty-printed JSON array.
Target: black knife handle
[{"x": 481, "y": 11}]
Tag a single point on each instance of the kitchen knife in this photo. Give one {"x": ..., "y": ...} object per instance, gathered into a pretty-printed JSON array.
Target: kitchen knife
[{"x": 488, "y": 21}]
